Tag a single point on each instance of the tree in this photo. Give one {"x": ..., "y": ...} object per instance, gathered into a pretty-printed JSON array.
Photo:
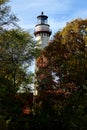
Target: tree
[
  {"x": 65, "y": 92},
  {"x": 66, "y": 57},
  {"x": 6, "y": 17},
  {"x": 16, "y": 54}
]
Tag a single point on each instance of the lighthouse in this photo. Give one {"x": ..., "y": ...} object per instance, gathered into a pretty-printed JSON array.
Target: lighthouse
[
  {"x": 42, "y": 34},
  {"x": 42, "y": 31}
]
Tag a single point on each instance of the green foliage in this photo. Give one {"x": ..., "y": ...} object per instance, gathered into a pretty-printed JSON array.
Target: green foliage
[{"x": 16, "y": 52}]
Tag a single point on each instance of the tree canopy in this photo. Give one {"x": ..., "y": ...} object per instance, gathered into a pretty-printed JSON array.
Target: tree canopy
[
  {"x": 17, "y": 51},
  {"x": 62, "y": 79},
  {"x": 63, "y": 62}
]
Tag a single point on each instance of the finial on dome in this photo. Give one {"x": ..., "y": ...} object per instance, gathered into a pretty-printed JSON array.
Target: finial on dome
[{"x": 42, "y": 13}]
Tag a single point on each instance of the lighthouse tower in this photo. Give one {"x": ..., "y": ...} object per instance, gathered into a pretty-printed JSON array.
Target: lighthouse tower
[{"x": 42, "y": 31}]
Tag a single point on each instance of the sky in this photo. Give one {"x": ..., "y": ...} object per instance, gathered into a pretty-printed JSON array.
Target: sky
[{"x": 59, "y": 12}]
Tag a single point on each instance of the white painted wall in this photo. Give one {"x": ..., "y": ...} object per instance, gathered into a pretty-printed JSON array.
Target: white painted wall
[
  {"x": 42, "y": 41},
  {"x": 42, "y": 27}
]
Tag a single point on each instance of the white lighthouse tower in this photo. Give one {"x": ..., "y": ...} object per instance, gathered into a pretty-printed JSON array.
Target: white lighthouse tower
[
  {"x": 42, "y": 34},
  {"x": 42, "y": 31}
]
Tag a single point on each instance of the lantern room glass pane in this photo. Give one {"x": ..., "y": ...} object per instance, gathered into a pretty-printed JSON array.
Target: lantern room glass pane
[{"x": 42, "y": 20}]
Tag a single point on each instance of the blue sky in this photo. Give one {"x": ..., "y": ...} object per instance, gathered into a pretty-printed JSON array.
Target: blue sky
[{"x": 59, "y": 12}]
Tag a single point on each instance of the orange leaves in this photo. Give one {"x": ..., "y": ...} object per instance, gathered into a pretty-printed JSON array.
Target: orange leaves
[
  {"x": 26, "y": 110},
  {"x": 42, "y": 61}
]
